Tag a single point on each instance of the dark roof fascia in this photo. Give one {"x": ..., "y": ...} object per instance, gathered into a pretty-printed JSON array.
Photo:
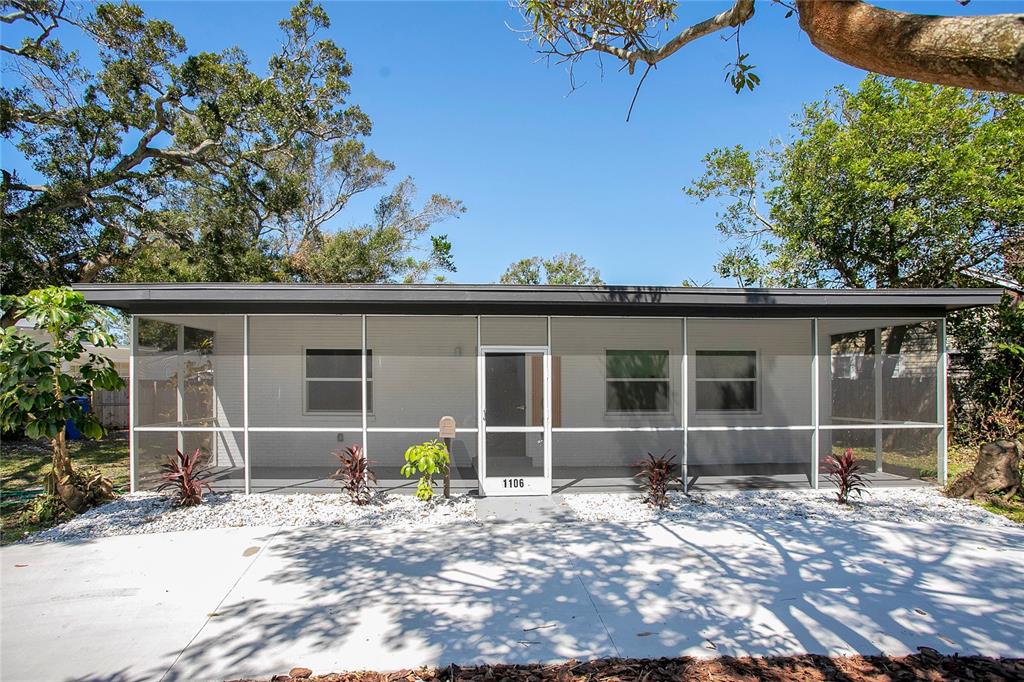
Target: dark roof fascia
[{"x": 230, "y": 298}]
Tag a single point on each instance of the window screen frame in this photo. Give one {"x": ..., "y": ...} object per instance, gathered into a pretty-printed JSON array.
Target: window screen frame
[
  {"x": 756, "y": 380},
  {"x": 181, "y": 355},
  {"x": 667, "y": 379},
  {"x": 358, "y": 380}
]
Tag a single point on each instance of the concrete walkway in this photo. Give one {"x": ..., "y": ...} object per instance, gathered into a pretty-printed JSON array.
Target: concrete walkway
[{"x": 220, "y": 604}]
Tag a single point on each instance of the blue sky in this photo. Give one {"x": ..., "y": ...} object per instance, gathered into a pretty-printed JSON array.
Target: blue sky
[{"x": 462, "y": 105}]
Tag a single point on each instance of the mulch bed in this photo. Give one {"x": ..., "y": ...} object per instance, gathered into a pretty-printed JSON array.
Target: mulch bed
[{"x": 928, "y": 666}]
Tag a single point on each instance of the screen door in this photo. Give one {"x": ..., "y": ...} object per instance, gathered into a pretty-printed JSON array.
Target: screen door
[{"x": 515, "y": 446}]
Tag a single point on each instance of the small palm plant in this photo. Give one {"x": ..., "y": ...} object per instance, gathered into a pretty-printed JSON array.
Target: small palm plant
[
  {"x": 428, "y": 459},
  {"x": 355, "y": 474},
  {"x": 187, "y": 475},
  {"x": 844, "y": 472},
  {"x": 656, "y": 473}
]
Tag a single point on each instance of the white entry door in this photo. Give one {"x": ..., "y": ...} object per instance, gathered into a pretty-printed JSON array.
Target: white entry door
[{"x": 515, "y": 420}]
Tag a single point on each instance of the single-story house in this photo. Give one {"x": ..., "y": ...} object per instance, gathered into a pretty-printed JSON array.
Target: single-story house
[{"x": 551, "y": 387}]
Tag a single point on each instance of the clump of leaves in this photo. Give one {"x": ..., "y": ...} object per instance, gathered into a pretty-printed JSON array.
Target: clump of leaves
[
  {"x": 355, "y": 474},
  {"x": 655, "y": 475},
  {"x": 844, "y": 472},
  {"x": 43, "y": 510},
  {"x": 428, "y": 459},
  {"x": 186, "y": 474},
  {"x": 93, "y": 486}
]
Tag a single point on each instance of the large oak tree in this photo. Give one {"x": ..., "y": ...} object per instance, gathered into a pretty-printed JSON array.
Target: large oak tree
[{"x": 149, "y": 160}]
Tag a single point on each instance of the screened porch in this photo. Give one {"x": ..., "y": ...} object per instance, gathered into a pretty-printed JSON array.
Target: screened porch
[{"x": 571, "y": 402}]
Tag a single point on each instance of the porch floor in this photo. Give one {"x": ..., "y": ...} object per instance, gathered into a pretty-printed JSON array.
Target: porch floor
[{"x": 564, "y": 480}]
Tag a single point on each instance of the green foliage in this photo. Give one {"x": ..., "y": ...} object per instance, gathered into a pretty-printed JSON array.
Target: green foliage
[
  {"x": 894, "y": 184},
  {"x": 741, "y": 74},
  {"x": 632, "y": 31},
  {"x": 627, "y": 19},
  {"x": 988, "y": 403},
  {"x": 428, "y": 459},
  {"x": 162, "y": 163},
  {"x": 43, "y": 510},
  {"x": 564, "y": 268},
  {"x": 38, "y": 381},
  {"x": 388, "y": 250}
]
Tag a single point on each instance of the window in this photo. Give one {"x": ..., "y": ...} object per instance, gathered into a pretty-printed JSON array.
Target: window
[
  {"x": 637, "y": 381},
  {"x": 334, "y": 380},
  {"x": 726, "y": 381}
]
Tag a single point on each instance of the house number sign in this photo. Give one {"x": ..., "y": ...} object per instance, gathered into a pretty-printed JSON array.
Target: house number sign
[{"x": 446, "y": 427}]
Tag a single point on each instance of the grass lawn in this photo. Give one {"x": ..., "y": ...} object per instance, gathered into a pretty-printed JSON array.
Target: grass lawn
[{"x": 23, "y": 463}]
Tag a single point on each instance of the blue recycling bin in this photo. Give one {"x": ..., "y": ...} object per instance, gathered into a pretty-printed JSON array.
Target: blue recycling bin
[{"x": 72, "y": 429}]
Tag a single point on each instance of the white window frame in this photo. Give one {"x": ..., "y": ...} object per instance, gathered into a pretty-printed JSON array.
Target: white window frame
[
  {"x": 359, "y": 353},
  {"x": 756, "y": 380},
  {"x": 667, "y": 379}
]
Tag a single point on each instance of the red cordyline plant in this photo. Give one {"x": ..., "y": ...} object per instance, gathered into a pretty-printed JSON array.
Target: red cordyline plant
[
  {"x": 187, "y": 475},
  {"x": 655, "y": 475},
  {"x": 845, "y": 473},
  {"x": 355, "y": 474}
]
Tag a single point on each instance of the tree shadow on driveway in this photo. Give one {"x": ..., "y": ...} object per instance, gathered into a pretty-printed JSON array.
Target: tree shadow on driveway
[{"x": 343, "y": 599}]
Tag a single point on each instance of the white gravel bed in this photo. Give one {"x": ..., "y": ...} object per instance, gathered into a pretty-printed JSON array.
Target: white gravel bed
[
  {"x": 154, "y": 513},
  {"x": 898, "y": 505}
]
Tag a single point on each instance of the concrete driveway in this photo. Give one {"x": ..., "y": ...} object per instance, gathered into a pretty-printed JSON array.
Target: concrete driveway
[{"x": 218, "y": 604}]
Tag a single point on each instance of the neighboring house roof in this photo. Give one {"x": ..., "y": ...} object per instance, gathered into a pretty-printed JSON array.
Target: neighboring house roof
[
  {"x": 119, "y": 355},
  {"x": 498, "y": 299}
]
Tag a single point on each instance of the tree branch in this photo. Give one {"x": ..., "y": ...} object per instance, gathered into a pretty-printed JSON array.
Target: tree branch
[
  {"x": 979, "y": 52},
  {"x": 732, "y": 17}
]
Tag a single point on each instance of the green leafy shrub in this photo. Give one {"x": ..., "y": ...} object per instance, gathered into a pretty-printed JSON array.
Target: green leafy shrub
[
  {"x": 43, "y": 510},
  {"x": 39, "y": 382},
  {"x": 429, "y": 459}
]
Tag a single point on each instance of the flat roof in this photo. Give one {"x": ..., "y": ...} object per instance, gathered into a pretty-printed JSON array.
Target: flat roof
[{"x": 499, "y": 299}]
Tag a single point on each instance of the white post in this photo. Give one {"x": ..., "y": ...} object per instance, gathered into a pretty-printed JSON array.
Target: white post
[
  {"x": 685, "y": 408},
  {"x": 815, "y": 404},
  {"x": 879, "y": 366},
  {"x": 940, "y": 403},
  {"x": 481, "y": 436},
  {"x": 548, "y": 410},
  {"x": 181, "y": 385},
  {"x": 245, "y": 404},
  {"x": 366, "y": 451},
  {"x": 133, "y": 345}
]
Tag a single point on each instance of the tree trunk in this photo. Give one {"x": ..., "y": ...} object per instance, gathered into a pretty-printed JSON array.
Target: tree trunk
[
  {"x": 978, "y": 52},
  {"x": 63, "y": 475},
  {"x": 448, "y": 469},
  {"x": 997, "y": 470}
]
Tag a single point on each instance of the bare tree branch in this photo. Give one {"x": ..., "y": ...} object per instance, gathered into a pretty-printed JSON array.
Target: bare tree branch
[{"x": 732, "y": 17}]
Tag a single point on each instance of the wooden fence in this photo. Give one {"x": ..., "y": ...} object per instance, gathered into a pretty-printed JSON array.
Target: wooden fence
[{"x": 112, "y": 408}]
